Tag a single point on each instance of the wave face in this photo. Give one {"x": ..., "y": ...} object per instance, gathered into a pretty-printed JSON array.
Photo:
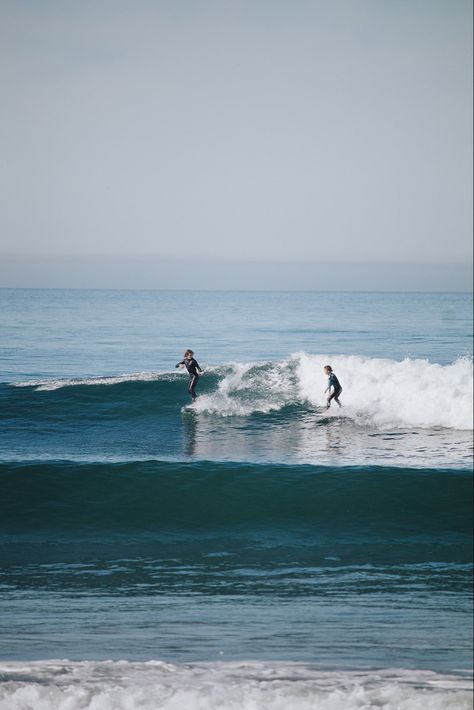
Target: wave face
[{"x": 67, "y": 685}]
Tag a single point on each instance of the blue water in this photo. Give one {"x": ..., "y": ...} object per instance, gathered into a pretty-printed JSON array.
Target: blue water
[
  {"x": 257, "y": 524},
  {"x": 75, "y": 333}
]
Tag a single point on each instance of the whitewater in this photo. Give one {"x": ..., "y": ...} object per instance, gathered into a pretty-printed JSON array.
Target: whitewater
[{"x": 122, "y": 685}]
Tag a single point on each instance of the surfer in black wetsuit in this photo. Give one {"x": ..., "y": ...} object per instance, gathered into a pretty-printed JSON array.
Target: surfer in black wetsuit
[
  {"x": 335, "y": 384},
  {"x": 192, "y": 367}
]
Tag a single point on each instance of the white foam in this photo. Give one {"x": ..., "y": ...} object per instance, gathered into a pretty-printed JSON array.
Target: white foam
[
  {"x": 247, "y": 388},
  {"x": 122, "y": 685},
  {"x": 381, "y": 392},
  {"x": 390, "y": 393}
]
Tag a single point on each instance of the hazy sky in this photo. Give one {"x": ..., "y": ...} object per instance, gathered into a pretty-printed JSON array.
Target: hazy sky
[{"x": 262, "y": 129}]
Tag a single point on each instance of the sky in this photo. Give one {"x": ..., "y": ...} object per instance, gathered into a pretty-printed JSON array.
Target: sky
[{"x": 240, "y": 136}]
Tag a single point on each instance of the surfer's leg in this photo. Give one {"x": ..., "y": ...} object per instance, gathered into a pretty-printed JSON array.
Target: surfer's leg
[
  {"x": 192, "y": 386},
  {"x": 334, "y": 396}
]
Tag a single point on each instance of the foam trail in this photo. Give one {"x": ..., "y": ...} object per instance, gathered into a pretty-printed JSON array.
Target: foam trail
[{"x": 108, "y": 685}]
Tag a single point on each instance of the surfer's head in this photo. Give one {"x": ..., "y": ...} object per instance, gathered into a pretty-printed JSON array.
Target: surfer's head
[
  {"x": 327, "y": 369},
  {"x": 188, "y": 353}
]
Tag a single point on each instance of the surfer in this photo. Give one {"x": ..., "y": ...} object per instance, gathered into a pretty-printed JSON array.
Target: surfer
[
  {"x": 192, "y": 367},
  {"x": 335, "y": 384}
]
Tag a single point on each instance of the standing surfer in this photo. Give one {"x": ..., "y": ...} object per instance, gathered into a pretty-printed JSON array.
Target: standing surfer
[
  {"x": 333, "y": 383},
  {"x": 192, "y": 367}
]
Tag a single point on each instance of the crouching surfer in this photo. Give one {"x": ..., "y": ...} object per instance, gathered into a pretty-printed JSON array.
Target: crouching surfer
[
  {"x": 192, "y": 367},
  {"x": 334, "y": 384}
]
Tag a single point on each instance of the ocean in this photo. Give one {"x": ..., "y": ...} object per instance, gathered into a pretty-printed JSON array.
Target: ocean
[{"x": 254, "y": 550}]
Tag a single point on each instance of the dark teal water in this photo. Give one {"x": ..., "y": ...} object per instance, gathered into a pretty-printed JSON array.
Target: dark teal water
[{"x": 256, "y": 525}]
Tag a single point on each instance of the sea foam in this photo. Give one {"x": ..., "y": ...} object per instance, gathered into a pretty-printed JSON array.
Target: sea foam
[
  {"x": 390, "y": 393},
  {"x": 123, "y": 685}
]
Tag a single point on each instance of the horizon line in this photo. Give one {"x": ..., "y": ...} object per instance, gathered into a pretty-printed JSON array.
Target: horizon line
[
  {"x": 212, "y": 260},
  {"x": 224, "y": 290}
]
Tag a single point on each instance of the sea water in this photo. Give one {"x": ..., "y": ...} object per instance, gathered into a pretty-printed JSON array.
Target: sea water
[{"x": 254, "y": 550}]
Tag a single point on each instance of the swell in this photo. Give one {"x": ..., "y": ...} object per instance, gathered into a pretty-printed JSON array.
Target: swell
[{"x": 161, "y": 495}]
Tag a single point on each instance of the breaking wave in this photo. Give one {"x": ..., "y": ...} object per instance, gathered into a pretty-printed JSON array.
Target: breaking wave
[{"x": 376, "y": 392}]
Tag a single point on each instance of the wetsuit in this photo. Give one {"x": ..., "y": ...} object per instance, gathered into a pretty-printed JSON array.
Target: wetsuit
[
  {"x": 333, "y": 382},
  {"x": 192, "y": 367}
]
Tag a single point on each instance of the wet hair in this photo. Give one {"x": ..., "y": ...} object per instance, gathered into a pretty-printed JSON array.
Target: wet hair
[
  {"x": 328, "y": 368},
  {"x": 188, "y": 352}
]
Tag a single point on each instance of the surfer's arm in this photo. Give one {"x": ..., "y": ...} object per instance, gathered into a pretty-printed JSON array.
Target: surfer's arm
[
  {"x": 198, "y": 366},
  {"x": 180, "y": 364}
]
